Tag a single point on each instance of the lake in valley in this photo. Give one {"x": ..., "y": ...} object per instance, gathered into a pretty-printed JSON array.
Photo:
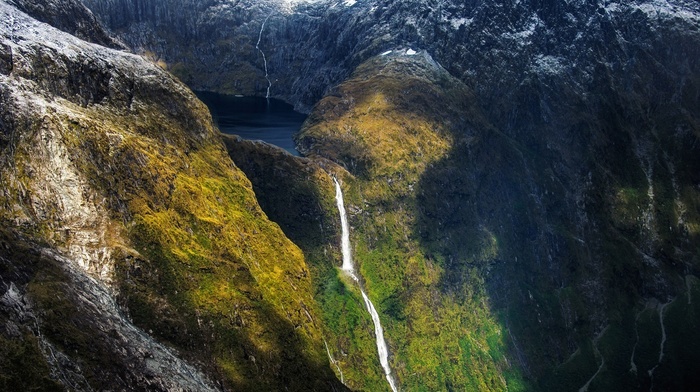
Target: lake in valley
[{"x": 255, "y": 118}]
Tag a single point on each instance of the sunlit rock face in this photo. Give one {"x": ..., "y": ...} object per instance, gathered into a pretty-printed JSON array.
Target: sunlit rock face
[
  {"x": 522, "y": 181},
  {"x": 134, "y": 254}
]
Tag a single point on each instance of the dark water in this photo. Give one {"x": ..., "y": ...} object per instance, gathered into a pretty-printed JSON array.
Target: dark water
[{"x": 254, "y": 118}]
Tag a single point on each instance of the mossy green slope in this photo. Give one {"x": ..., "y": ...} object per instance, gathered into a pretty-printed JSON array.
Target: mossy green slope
[
  {"x": 120, "y": 167},
  {"x": 298, "y": 194},
  {"x": 499, "y": 257},
  {"x": 387, "y": 124}
]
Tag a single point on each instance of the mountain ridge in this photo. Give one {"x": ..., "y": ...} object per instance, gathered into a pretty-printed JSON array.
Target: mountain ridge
[
  {"x": 139, "y": 247},
  {"x": 521, "y": 180}
]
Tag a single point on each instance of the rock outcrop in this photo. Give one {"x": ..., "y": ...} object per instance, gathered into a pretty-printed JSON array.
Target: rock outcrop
[
  {"x": 63, "y": 329},
  {"x": 70, "y": 16},
  {"x": 521, "y": 178},
  {"x": 135, "y": 255}
]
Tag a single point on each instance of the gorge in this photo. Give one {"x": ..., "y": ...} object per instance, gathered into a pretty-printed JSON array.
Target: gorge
[{"x": 520, "y": 196}]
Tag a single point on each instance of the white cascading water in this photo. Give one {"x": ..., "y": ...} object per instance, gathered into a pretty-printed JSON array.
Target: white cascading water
[
  {"x": 334, "y": 362},
  {"x": 257, "y": 46},
  {"x": 349, "y": 268},
  {"x": 345, "y": 237}
]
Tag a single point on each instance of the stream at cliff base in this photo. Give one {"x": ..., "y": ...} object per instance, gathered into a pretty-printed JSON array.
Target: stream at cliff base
[{"x": 255, "y": 118}]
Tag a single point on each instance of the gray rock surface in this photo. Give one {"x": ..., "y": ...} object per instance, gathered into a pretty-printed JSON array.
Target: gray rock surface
[
  {"x": 58, "y": 300},
  {"x": 70, "y": 16}
]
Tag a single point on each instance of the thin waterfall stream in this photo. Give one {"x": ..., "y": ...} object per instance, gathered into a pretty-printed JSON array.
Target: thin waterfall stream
[
  {"x": 349, "y": 268},
  {"x": 257, "y": 46}
]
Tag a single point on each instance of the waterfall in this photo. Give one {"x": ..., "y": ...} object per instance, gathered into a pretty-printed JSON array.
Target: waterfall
[
  {"x": 334, "y": 362},
  {"x": 663, "y": 341},
  {"x": 257, "y": 46},
  {"x": 381, "y": 344},
  {"x": 349, "y": 268},
  {"x": 345, "y": 238}
]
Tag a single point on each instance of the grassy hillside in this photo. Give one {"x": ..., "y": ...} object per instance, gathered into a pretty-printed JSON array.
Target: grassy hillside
[
  {"x": 388, "y": 124},
  {"x": 119, "y": 169}
]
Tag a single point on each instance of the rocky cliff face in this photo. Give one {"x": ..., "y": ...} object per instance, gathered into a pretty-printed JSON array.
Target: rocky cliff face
[
  {"x": 63, "y": 330},
  {"x": 521, "y": 179},
  {"x": 561, "y": 193},
  {"x": 231, "y": 46},
  {"x": 134, "y": 252},
  {"x": 71, "y": 17},
  {"x": 312, "y": 45}
]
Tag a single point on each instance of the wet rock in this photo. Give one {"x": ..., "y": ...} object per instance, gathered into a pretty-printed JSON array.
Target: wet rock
[{"x": 5, "y": 59}]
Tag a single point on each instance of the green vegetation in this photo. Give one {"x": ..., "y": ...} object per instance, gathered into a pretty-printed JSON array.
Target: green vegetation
[
  {"x": 441, "y": 337},
  {"x": 299, "y": 194},
  {"x": 498, "y": 260},
  {"x": 196, "y": 262},
  {"x": 491, "y": 266}
]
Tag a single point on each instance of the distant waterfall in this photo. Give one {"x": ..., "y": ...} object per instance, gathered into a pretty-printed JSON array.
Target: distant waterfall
[
  {"x": 257, "y": 46},
  {"x": 334, "y": 362},
  {"x": 349, "y": 268}
]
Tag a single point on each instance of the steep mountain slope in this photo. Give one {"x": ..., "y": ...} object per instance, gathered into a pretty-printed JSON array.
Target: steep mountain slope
[
  {"x": 70, "y": 16},
  {"x": 388, "y": 125},
  {"x": 472, "y": 240},
  {"x": 243, "y": 47},
  {"x": 310, "y": 46},
  {"x": 522, "y": 180},
  {"x": 569, "y": 207},
  {"x": 116, "y": 189}
]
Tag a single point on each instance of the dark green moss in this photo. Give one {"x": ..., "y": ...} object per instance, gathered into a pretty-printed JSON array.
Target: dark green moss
[{"x": 23, "y": 367}]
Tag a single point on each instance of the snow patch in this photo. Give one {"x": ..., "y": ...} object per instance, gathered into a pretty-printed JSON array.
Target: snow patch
[
  {"x": 387, "y": 52},
  {"x": 612, "y": 8},
  {"x": 661, "y": 9},
  {"x": 349, "y": 3},
  {"x": 410, "y": 52},
  {"x": 289, "y": 5},
  {"x": 522, "y": 37},
  {"x": 295, "y": 2},
  {"x": 549, "y": 65},
  {"x": 459, "y": 22}
]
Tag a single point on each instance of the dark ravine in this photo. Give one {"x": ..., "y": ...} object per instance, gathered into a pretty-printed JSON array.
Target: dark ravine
[{"x": 522, "y": 180}]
